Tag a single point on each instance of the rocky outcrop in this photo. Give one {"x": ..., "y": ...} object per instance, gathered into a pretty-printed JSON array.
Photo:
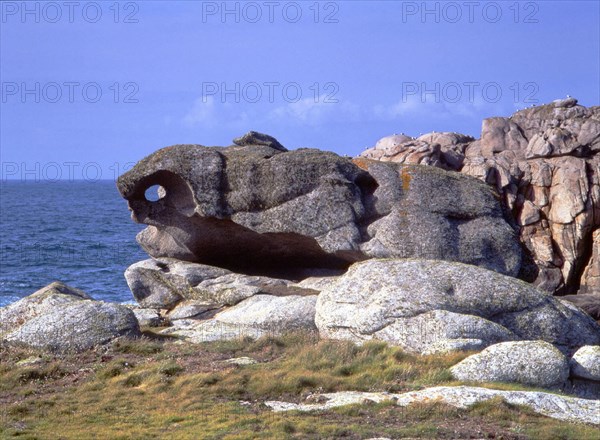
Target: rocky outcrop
[
  {"x": 545, "y": 162},
  {"x": 442, "y": 150},
  {"x": 256, "y": 209},
  {"x": 535, "y": 363},
  {"x": 585, "y": 363},
  {"x": 422, "y": 304},
  {"x": 551, "y": 405},
  {"x": 60, "y": 319}
]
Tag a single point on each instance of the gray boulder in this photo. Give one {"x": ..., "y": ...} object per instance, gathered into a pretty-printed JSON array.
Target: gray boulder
[
  {"x": 253, "y": 317},
  {"x": 48, "y": 298},
  {"x": 146, "y": 317},
  {"x": 253, "y": 208},
  {"x": 416, "y": 304},
  {"x": 535, "y": 363},
  {"x": 61, "y": 319},
  {"x": 585, "y": 363}
]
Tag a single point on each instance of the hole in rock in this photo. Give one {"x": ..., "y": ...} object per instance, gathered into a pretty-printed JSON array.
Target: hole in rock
[{"x": 154, "y": 193}]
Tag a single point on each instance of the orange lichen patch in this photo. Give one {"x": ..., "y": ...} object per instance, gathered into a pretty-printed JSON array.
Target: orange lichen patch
[
  {"x": 362, "y": 162},
  {"x": 405, "y": 177}
]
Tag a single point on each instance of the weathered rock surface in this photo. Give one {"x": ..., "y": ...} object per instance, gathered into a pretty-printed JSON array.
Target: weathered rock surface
[
  {"x": 570, "y": 409},
  {"x": 443, "y": 150},
  {"x": 535, "y": 363},
  {"x": 545, "y": 162},
  {"x": 48, "y": 298},
  {"x": 256, "y": 209},
  {"x": 253, "y": 317},
  {"x": 589, "y": 303},
  {"x": 164, "y": 283},
  {"x": 59, "y": 318},
  {"x": 146, "y": 317},
  {"x": 586, "y": 363},
  {"x": 590, "y": 279},
  {"x": 417, "y": 304}
]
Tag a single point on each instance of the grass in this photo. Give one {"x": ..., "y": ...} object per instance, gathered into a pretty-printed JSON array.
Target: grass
[{"x": 158, "y": 388}]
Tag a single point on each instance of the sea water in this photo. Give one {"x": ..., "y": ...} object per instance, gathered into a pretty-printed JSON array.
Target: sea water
[{"x": 77, "y": 232}]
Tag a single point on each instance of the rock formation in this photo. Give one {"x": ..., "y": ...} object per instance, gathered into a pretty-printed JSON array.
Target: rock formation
[
  {"x": 415, "y": 243},
  {"x": 259, "y": 210},
  {"x": 545, "y": 162}
]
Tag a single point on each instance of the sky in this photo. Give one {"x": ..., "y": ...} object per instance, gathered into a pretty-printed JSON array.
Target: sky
[{"x": 89, "y": 88}]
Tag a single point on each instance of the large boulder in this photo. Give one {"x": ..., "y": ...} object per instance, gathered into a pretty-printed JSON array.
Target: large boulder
[
  {"x": 420, "y": 304},
  {"x": 61, "y": 319},
  {"x": 51, "y": 297},
  {"x": 545, "y": 163},
  {"x": 535, "y": 363},
  {"x": 257, "y": 209}
]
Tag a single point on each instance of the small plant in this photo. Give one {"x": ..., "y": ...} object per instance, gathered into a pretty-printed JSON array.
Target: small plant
[{"x": 170, "y": 369}]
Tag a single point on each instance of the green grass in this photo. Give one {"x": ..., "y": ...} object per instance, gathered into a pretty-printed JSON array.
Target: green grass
[{"x": 161, "y": 389}]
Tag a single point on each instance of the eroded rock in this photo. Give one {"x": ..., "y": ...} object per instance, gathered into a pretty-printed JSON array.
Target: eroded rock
[{"x": 256, "y": 209}]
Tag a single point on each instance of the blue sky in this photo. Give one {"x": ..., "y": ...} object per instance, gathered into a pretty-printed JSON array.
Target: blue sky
[{"x": 116, "y": 83}]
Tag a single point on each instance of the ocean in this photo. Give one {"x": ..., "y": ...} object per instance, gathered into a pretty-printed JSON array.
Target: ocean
[{"x": 77, "y": 232}]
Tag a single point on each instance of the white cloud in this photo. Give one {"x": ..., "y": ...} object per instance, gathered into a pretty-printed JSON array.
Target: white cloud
[
  {"x": 310, "y": 111},
  {"x": 202, "y": 113}
]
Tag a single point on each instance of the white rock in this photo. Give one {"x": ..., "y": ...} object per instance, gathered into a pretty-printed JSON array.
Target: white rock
[
  {"x": 570, "y": 409},
  {"x": 254, "y": 317},
  {"x": 244, "y": 360},
  {"x": 535, "y": 363},
  {"x": 586, "y": 363}
]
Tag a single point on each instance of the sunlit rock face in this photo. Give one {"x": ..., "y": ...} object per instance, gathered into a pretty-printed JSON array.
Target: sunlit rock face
[
  {"x": 258, "y": 209},
  {"x": 545, "y": 163}
]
